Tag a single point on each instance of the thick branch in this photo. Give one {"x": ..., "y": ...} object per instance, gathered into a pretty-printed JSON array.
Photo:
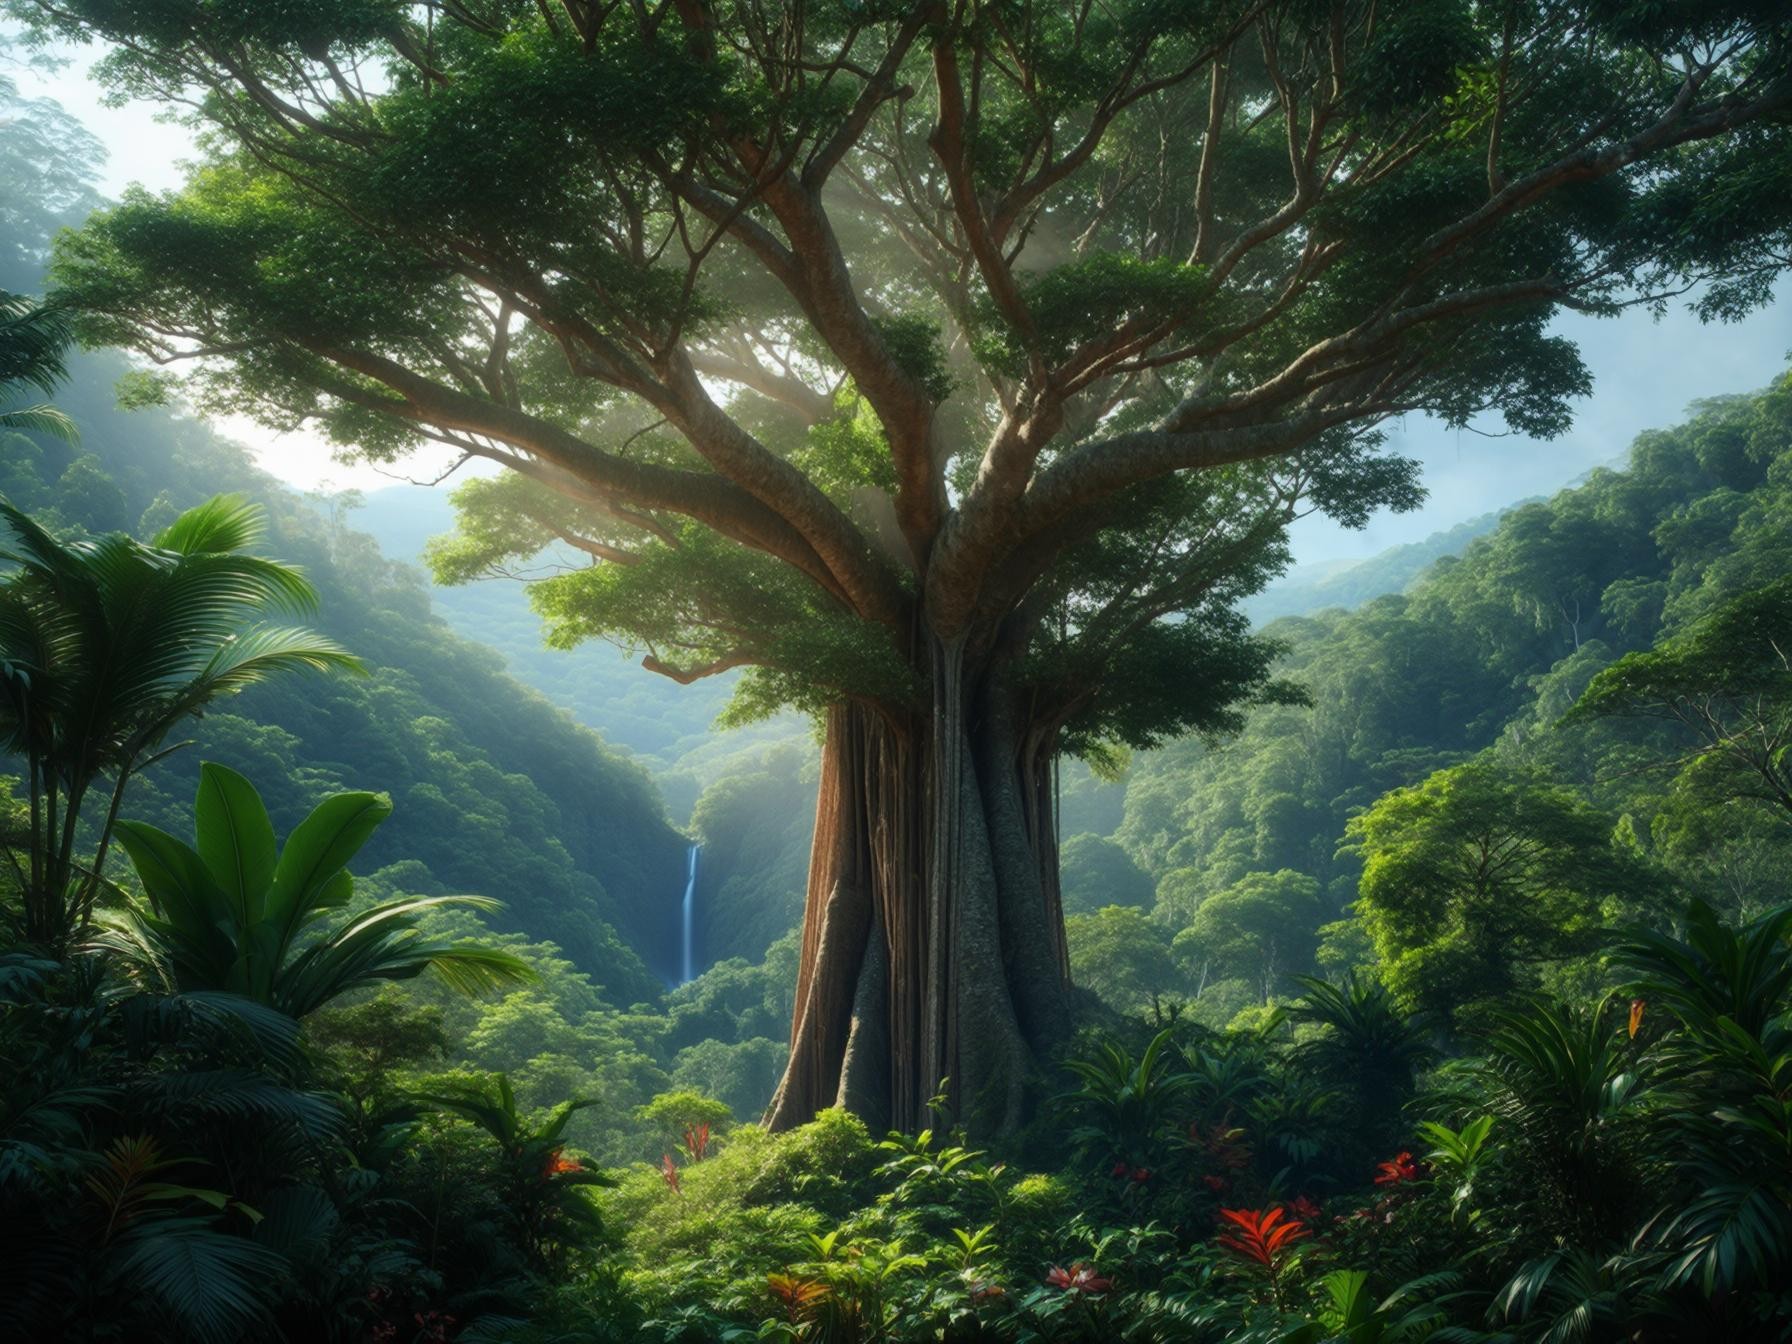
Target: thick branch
[{"x": 709, "y": 499}]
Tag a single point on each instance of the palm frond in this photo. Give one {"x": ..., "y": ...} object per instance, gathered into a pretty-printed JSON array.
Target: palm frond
[
  {"x": 33, "y": 336},
  {"x": 41, "y": 418},
  {"x": 297, "y": 1221},
  {"x": 239, "y": 1094},
  {"x": 1729, "y": 1236},
  {"x": 213, "y": 1285},
  {"x": 222, "y": 523}
]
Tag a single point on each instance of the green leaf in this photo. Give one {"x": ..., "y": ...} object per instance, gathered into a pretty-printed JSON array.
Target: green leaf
[
  {"x": 211, "y": 1282},
  {"x": 318, "y": 849},
  {"x": 222, "y": 523},
  {"x": 178, "y": 881},
  {"x": 236, "y": 838}
]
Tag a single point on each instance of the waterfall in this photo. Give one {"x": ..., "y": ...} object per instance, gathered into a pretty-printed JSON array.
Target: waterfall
[{"x": 690, "y": 904}]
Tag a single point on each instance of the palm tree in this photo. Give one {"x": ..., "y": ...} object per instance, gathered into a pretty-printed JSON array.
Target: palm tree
[
  {"x": 1364, "y": 1046},
  {"x": 1576, "y": 1116},
  {"x": 32, "y": 339},
  {"x": 104, "y": 647},
  {"x": 236, "y": 914},
  {"x": 1725, "y": 1059}
]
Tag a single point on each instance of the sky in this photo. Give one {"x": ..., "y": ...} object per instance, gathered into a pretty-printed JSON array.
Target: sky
[{"x": 1645, "y": 373}]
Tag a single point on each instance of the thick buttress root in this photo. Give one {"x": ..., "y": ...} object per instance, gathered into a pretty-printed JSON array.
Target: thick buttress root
[{"x": 932, "y": 935}]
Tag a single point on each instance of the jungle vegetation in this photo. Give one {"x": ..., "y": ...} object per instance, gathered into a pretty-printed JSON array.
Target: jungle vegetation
[
  {"x": 952, "y": 370},
  {"x": 1421, "y": 971}
]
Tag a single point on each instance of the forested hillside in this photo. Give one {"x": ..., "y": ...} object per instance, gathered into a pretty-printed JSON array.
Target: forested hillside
[
  {"x": 1310, "y": 588},
  {"x": 1248, "y": 844},
  {"x": 495, "y": 791},
  {"x": 660, "y": 721}
]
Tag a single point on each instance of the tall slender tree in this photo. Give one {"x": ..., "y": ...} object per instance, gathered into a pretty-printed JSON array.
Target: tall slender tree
[{"x": 949, "y": 366}]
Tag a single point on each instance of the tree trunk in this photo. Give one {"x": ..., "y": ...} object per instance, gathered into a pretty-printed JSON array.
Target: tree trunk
[{"x": 933, "y": 935}]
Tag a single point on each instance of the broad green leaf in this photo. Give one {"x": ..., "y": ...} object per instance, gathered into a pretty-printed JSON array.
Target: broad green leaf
[
  {"x": 178, "y": 881},
  {"x": 320, "y": 847},
  {"x": 236, "y": 838}
]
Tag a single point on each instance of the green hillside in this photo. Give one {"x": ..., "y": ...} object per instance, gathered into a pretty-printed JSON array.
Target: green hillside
[
  {"x": 1476, "y": 661},
  {"x": 1306, "y": 589},
  {"x": 495, "y": 790}
]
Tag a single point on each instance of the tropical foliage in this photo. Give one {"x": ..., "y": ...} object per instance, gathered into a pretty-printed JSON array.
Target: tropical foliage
[
  {"x": 107, "y": 646},
  {"x": 1450, "y": 1001},
  {"x": 237, "y": 915}
]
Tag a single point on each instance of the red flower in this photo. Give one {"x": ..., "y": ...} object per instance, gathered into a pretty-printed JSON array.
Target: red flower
[
  {"x": 696, "y": 1141},
  {"x": 1401, "y": 1170},
  {"x": 1141, "y": 1174},
  {"x": 1078, "y": 1278},
  {"x": 1263, "y": 1235},
  {"x": 669, "y": 1170},
  {"x": 1636, "y": 1017},
  {"x": 559, "y": 1166},
  {"x": 1217, "y": 1184},
  {"x": 1304, "y": 1208},
  {"x": 1120, "y": 1170},
  {"x": 987, "y": 1292}
]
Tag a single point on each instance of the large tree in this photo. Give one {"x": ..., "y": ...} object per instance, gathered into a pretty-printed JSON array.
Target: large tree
[
  {"x": 1479, "y": 877},
  {"x": 949, "y": 366}
]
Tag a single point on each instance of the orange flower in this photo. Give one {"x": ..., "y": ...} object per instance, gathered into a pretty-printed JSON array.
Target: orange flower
[
  {"x": 1401, "y": 1170},
  {"x": 557, "y": 1165},
  {"x": 669, "y": 1170},
  {"x": 1636, "y": 1017}
]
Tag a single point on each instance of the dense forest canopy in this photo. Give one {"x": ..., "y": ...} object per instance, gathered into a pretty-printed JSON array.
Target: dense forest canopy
[
  {"x": 1640, "y": 600},
  {"x": 953, "y": 368}
]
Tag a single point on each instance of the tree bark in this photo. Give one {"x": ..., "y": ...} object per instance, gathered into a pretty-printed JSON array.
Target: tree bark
[{"x": 933, "y": 947}]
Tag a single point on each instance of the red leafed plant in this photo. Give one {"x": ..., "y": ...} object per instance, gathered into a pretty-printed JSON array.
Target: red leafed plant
[
  {"x": 1265, "y": 1238},
  {"x": 1078, "y": 1279},
  {"x": 1397, "y": 1172},
  {"x": 799, "y": 1297},
  {"x": 669, "y": 1170},
  {"x": 696, "y": 1141}
]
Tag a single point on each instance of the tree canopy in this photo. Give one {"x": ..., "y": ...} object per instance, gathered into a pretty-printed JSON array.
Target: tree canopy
[
  {"x": 797, "y": 322},
  {"x": 1727, "y": 683},
  {"x": 1473, "y": 878}
]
